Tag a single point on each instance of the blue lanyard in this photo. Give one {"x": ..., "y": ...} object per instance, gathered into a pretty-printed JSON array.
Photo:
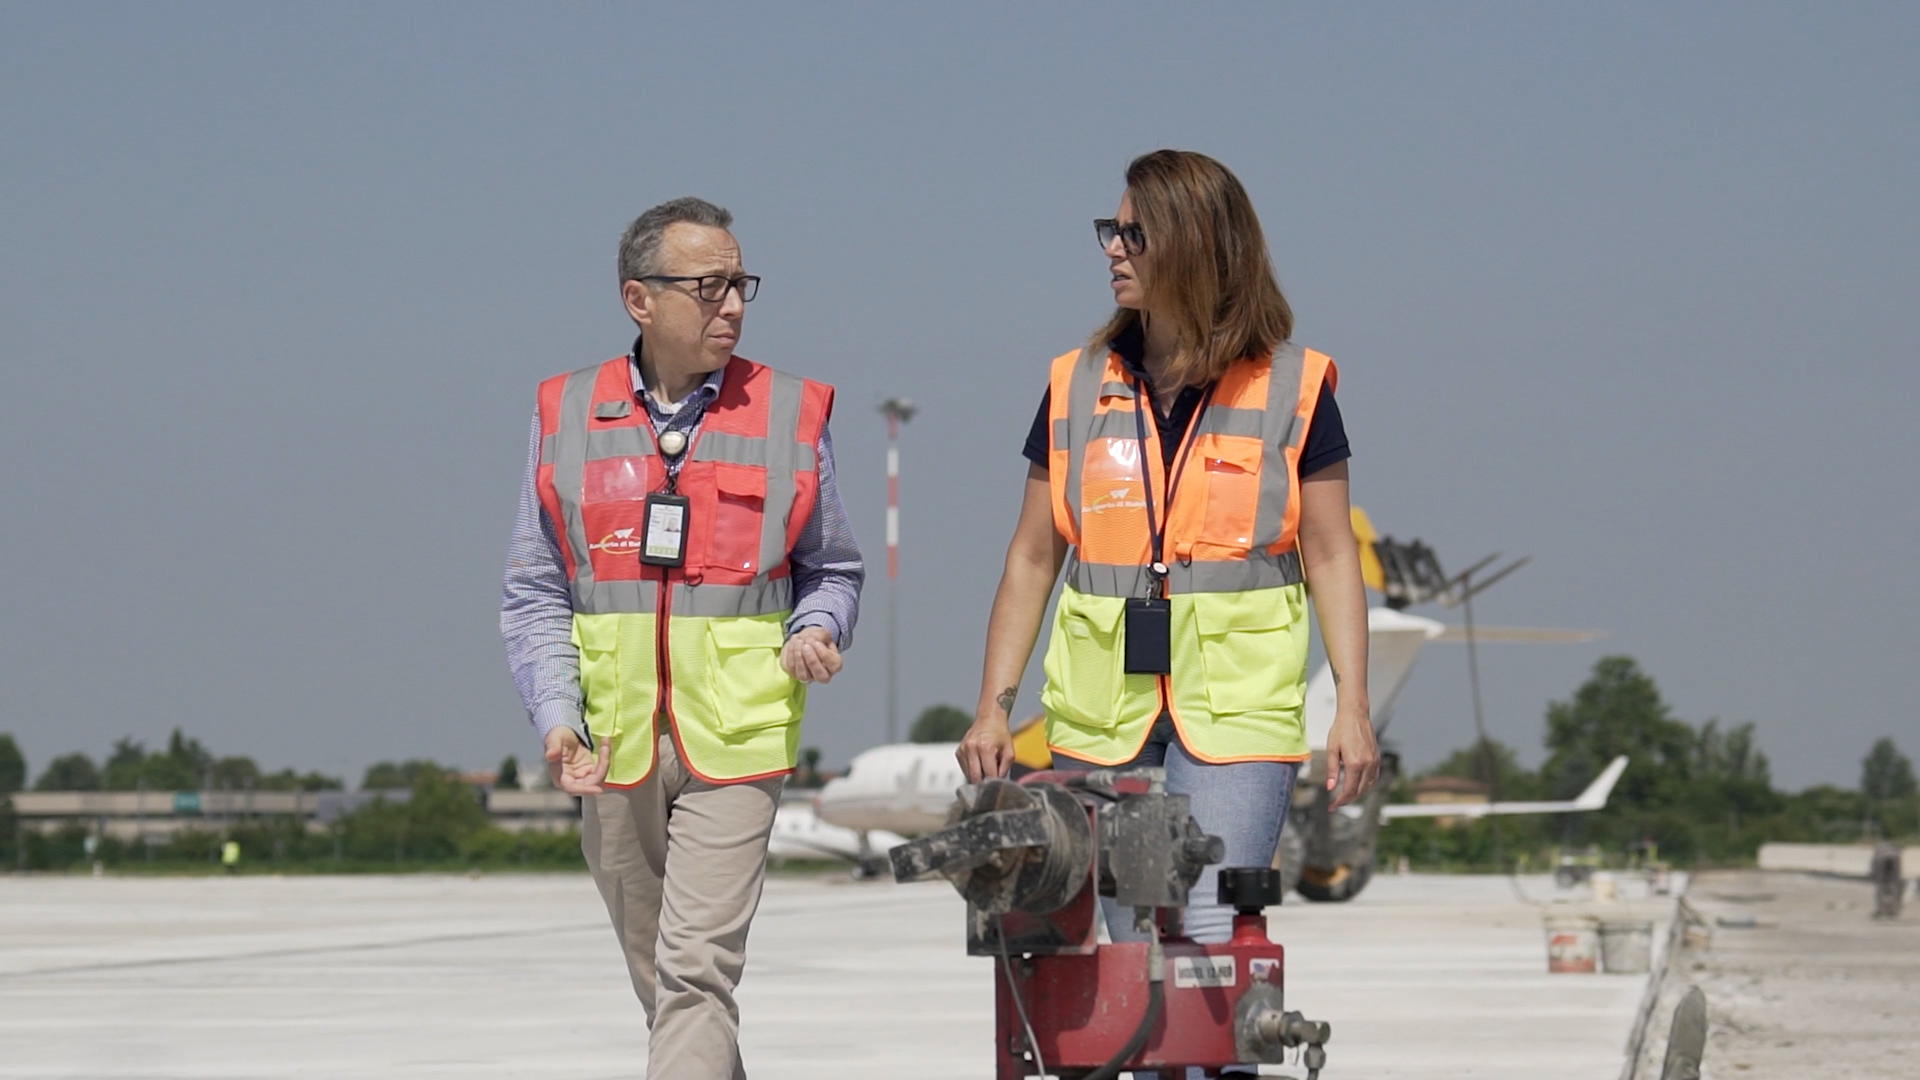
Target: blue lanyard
[{"x": 1143, "y": 400}]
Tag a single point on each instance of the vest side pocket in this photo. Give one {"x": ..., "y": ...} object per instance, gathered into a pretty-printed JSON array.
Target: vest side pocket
[
  {"x": 749, "y": 689},
  {"x": 597, "y": 639},
  {"x": 1253, "y": 646},
  {"x": 1084, "y": 669}
]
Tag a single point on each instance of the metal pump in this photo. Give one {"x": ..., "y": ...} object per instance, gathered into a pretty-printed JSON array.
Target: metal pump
[{"x": 1032, "y": 858}]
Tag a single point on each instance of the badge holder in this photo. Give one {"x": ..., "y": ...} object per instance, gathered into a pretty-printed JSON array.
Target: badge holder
[
  {"x": 1149, "y": 634},
  {"x": 663, "y": 542}
]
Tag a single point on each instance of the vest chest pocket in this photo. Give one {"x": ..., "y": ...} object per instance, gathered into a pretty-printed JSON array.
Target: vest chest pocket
[
  {"x": 1085, "y": 675},
  {"x": 1232, "y": 470},
  {"x": 739, "y": 507},
  {"x": 1253, "y": 646},
  {"x": 750, "y": 690}
]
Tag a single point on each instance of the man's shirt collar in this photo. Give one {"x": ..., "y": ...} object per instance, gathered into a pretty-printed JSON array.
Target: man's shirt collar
[{"x": 702, "y": 396}]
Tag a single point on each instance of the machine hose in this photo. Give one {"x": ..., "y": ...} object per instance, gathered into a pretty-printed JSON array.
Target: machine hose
[{"x": 1156, "y": 1000}]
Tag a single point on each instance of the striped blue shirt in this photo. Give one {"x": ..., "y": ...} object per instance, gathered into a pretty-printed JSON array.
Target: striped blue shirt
[{"x": 536, "y": 606}]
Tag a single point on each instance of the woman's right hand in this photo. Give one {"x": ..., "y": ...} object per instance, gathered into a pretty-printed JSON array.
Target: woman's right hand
[{"x": 986, "y": 753}]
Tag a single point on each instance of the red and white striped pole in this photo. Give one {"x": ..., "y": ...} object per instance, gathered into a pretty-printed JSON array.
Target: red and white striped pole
[
  {"x": 893, "y": 499},
  {"x": 897, "y": 411}
]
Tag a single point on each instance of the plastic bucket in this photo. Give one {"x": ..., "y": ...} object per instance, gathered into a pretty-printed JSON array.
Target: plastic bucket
[
  {"x": 1606, "y": 888},
  {"x": 1573, "y": 944},
  {"x": 1626, "y": 946}
]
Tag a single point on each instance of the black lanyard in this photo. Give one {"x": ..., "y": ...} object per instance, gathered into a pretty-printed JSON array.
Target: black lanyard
[{"x": 1143, "y": 400}]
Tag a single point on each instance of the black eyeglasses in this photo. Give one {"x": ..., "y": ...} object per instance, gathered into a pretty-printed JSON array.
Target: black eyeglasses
[
  {"x": 1130, "y": 234},
  {"x": 713, "y": 287}
]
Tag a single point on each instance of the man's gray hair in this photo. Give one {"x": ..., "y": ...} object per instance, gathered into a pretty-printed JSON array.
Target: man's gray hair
[{"x": 640, "y": 245}]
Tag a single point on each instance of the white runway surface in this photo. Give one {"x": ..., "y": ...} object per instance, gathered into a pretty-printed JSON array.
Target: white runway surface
[{"x": 517, "y": 976}]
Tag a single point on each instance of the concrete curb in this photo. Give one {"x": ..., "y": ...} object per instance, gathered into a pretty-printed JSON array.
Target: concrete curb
[{"x": 1656, "y": 985}]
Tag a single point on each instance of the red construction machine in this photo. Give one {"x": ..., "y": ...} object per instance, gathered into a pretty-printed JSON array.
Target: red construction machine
[{"x": 1032, "y": 859}]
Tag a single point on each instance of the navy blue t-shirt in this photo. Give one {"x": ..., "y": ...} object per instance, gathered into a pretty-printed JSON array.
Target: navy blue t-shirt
[{"x": 1326, "y": 435}]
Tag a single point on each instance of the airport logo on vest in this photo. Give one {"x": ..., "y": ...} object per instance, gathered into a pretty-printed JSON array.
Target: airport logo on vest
[
  {"x": 1118, "y": 499},
  {"x": 619, "y": 542}
]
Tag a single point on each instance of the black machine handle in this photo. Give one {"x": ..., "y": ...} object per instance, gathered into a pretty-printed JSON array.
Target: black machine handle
[{"x": 1250, "y": 889}]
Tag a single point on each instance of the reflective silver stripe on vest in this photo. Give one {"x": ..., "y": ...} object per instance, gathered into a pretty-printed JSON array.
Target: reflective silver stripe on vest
[
  {"x": 618, "y": 442},
  {"x": 768, "y": 597},
  {"x": 1258, "y": 571},
  {"x": 1222, "y": 420},
  {"x": 1116, "y": 389},
  {"x": 546, "y": 449},
  {"x": 1089, "y": 374},
  {"x": 1282, "y": 420},
  {"x": 730, "y": 448},
  {"x": 616, "y": 598},
  {"x": 783, "y": 462},
  {"x": 1113, "y": 424},
  {"x": 569, "y": 469}
]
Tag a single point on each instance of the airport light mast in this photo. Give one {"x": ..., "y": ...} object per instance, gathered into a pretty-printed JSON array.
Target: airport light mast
[{"x": 897, "y": 411}]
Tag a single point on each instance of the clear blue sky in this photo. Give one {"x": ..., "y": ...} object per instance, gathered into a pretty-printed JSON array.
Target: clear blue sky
[{"x": 1626, "y": 288}]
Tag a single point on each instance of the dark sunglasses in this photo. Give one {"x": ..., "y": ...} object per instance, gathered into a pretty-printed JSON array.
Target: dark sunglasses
[
  {"x": 713, "y": 287},
  {"x": 1130, "y": 234}
]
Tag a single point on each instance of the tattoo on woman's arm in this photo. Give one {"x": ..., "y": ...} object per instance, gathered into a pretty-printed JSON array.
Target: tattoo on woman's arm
[{"x": 1006, "y": 699}]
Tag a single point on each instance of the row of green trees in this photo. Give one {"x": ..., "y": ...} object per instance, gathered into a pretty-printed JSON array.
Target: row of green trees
[
  {"x": 1693, "y": 794},
  {"x": 183, "y": 765}
]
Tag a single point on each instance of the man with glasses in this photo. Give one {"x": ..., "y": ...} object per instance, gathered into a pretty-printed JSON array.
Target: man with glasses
[{"x": 680, "y": 568}]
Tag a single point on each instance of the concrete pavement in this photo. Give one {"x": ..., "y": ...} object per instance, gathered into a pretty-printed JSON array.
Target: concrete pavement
[{"x": 516, "y": 975}]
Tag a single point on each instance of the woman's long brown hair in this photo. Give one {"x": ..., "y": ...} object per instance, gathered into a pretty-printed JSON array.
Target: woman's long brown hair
[{"x": 1210, "y": 271}]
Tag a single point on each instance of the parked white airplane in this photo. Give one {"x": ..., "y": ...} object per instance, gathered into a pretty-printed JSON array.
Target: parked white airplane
[
  {"x": 800, "y": 835},
  {"x": 904, "y": 788}
]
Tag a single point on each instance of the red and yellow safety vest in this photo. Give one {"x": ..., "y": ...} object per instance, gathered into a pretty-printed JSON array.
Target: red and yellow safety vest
[
  {"x": 700, "y": 643},
  {"x": 1237, "y": 687}
]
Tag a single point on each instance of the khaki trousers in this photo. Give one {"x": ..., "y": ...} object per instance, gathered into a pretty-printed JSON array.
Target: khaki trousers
[{"x": 680, "y": 864}]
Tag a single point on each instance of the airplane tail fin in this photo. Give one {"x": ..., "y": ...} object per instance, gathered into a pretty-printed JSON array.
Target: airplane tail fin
[{"x": 1596, "y": 794}]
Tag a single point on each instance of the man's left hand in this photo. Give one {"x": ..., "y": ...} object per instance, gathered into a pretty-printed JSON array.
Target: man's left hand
[{"x": 811, "y": 656}]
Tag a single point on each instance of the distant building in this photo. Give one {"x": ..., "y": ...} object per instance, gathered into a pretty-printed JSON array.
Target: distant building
[
  {"x": 156, "y": 815},
  {"x": 1448, "y": 789}
]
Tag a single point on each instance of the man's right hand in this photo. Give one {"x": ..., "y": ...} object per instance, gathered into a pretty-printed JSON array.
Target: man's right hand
[
  {"x": 573, "y": 768},
  {"x": 987, "y": 750}
]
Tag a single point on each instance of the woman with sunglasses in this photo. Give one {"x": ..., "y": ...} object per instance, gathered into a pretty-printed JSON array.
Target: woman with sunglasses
[{"x": 1189, "y": 468}]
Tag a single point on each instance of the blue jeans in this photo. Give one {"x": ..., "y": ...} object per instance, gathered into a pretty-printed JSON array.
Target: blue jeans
[{"x": 1244, "y": 804}]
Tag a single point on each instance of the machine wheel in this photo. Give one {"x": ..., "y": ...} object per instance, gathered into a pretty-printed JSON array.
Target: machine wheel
[
  {"x": 1343, "y": 884},
  {"x": 1568, "y": 877}
]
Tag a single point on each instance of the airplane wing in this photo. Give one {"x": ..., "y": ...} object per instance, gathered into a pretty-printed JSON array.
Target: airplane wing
[
  {"x": 1594, "y": 798},
  {"x": 1518, "y": 635}
]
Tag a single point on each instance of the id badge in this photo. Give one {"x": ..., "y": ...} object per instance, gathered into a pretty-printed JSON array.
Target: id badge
[
  {"x": 664, "y": 542},
  {"x": 1149, "y": 632}
]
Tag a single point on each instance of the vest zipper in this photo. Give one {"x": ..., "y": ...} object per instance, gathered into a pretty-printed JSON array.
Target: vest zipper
[{"x": 661, "y": 654}]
